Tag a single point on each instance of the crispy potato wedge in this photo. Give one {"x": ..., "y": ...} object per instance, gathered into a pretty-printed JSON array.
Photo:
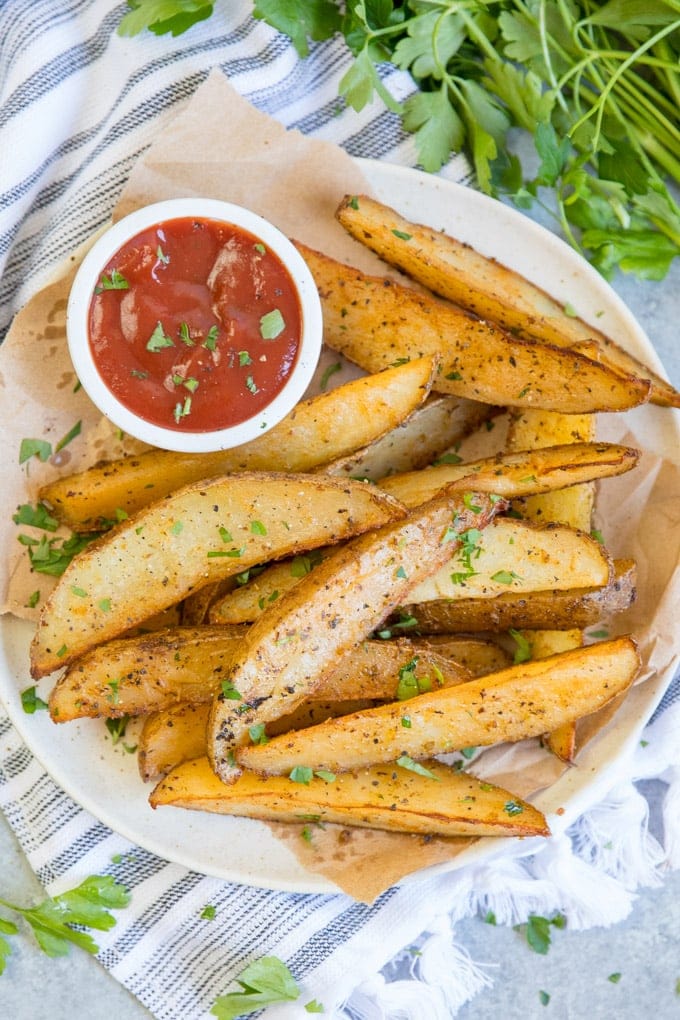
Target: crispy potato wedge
[
  {"x": 145, "y": 673},
  {"x": 579, "y": 607},
  {"x": 549, "y": 557},
  {"x": 451, "y": 804},
  {"x": 572, "y": 506},
  {"x": 561, "y": 741},
  {"x": 436, "y": 426},
  {"x": 245, "y": 603},
  {"x": 376, "y": 670},
  {"x": 178, "y": 734},
  {"x": 372, "y": 321},
  {"x": 513, "y": 555},
  {"x": 321, "y": 429},
  {"x": 530, "y": 429},
  {"x": 195, "y": 608},
  {"x": 170, "y": 737},
  {"x": 517, "y": 474},
  {"x": 478, "y": 655},
  {"x": 482, "y": 285},
  {"x": 150, "y": 672},
  {"x": 290, "y": 647},
  {"x": 202, "y": 533},
  {"x": 519, "y": 702}
]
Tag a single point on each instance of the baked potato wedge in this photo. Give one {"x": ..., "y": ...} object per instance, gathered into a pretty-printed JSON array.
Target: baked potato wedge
[
  {"x": 373, "y": 321},
  {"x": 518, "y": 473},
  {"x": 511, "y": 555},
  {"x": 552, "y": 610},
  {"x": 434, "y": 427},
  {"x": 572, "y": 506},
  {"x": 482, "y": 285},
  {"x": 201, "y": 533},
  {"x": 443, "y": 803},
  {"x": 296, "y": 642},
  {"x": 145, "y": 673},
  {"x": 321, "y": 429},
  {"x": 519, "y": 702},
  {"x": 150, "y": 672}
]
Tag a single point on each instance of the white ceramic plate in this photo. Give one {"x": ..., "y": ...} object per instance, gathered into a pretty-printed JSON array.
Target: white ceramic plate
[{"x": 103, "y": 779}]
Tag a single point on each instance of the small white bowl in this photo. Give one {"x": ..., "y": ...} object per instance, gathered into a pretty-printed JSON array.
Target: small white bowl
[{"x": 89, "y": 275}]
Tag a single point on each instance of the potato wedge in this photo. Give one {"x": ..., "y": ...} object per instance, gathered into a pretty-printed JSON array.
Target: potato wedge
[
  {"x": 482, "y": 285},
  {"x": 572, "y": 506},
  {"x": 519, "y": 702},
  {"x": 178, "y": 734},
  {"x": 202, "y": 533},
  {"x": 436, "y": 426},
  {"x": 297, "y": 641},
  {"x": 579, "y": 607},
  {"x": 149, "y": 672},
  {"x": 450, "y": 804},
  {"x": 548, "y": 557},
  {"x": 519, "y": 472},
  {"x": 561, "y": 741},
  {"x": 145, "y": 673},
  {"x": 373, "y": 321},
  {"x": 170, "y": 737},
  {"x": 478, "y": 655},
  {"x": 321, "y": 429},
  {"x": 512, "y": 555}
]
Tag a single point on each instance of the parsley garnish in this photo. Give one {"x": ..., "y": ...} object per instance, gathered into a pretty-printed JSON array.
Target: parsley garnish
[
  {"x": 405, "y": 762},
  {"x": 537, "y": 930},
  {"x": 210, "y": 342},
  {"x": 36, "y": 517},
  {"x": 87, "y": 906},
  {"x": 330, "y": 370},
  {"x": 263, "y": 982},
  {"x": 159, "y": 340},
  {"x": 39, "y": 448},
  {"x": 114, "y": 281},
  {"x": 30, "y": 701},
  {"x": 229, "y": 691},
  {"x": 523, "y": 649},
  {"x": 272, "y": 325},
  {"x": 70, "y": 435}
]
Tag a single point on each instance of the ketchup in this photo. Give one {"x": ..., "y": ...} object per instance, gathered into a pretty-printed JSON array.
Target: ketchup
[{"x": 195, "y": 325}]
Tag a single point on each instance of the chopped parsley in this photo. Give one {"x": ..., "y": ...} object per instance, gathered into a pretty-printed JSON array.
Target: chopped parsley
[
  {"x": 272, "y": 325},
  {"x": 31, "y": 702},
  {"x": 159, "y": 340},
  {"x": 114, "y": 281},
  {"x": 405, "y": 762}
]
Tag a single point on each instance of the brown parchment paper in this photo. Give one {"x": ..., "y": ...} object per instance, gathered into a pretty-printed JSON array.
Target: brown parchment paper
[{"x": 220, "y": 146}]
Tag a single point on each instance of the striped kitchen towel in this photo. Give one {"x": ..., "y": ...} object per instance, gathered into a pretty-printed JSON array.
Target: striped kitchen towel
[{"x": 77, "y": 102}]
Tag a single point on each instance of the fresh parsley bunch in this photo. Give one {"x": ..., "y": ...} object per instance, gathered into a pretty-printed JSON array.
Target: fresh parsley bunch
[{"x": 595, "y": 84}]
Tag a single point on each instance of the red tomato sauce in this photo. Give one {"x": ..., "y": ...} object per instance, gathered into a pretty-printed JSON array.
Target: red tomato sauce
[{"x": 195, "y": 325}]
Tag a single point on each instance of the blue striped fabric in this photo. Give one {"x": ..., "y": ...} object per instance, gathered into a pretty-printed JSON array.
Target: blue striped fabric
[{"x": 77, "y": 103}]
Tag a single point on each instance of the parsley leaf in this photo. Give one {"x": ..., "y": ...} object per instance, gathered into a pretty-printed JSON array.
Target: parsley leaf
[
  {"x": 263, "y": 982},
  {"x": 88, "y": 906}
]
